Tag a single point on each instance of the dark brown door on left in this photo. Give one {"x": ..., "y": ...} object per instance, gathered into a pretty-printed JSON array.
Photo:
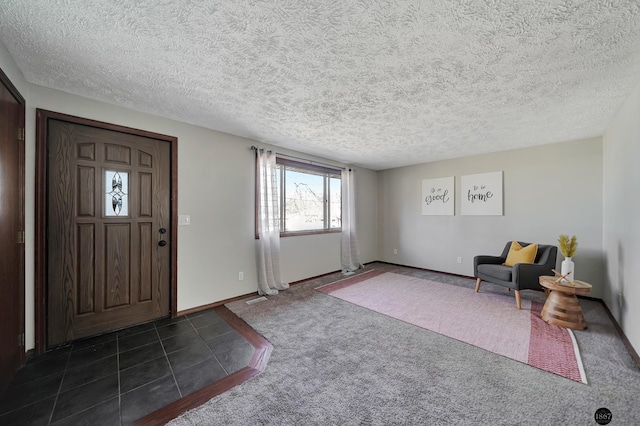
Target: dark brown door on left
[
  {"x": 108, "y": 230},
  {"x": 11, "y": 230}
]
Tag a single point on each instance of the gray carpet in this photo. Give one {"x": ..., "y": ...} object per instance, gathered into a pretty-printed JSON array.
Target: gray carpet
[{"x": 334, "y": 363}]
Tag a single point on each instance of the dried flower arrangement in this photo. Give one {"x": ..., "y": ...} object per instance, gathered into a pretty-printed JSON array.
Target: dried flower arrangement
[{"x": 568, "y": 246}]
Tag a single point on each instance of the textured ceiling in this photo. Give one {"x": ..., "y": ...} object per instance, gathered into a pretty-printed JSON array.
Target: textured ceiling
[{"x": 376, "y": 83}]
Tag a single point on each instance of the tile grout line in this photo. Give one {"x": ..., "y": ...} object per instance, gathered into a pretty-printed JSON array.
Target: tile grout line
[
  {"x": 64, "y": 373},
  {"x": 119, "y": 384},
  {"x": 166, "y": 357},
  {"x": 32, "y": 402},
  {"x": 68, "y": 366},
  {"x": 209, "y": 347}
]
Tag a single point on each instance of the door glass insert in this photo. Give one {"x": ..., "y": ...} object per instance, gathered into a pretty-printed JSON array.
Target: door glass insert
[{"x": 116, "y": 193}]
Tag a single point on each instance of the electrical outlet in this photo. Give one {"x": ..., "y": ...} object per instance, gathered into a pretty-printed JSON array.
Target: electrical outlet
[
  {"x": 240, "y": 276},
  {"x": 459, "y": 259},
  {"x": 395, "y": 251},
  {"x": 620, "y": 299}
]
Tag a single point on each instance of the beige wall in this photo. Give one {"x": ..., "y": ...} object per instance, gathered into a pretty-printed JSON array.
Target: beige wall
[
  {"x": 301, "y": 253},
  {"x": 548, "y": 190},
  {"x": 621, "y": 233},
  {"x": 215, "y": 187}
]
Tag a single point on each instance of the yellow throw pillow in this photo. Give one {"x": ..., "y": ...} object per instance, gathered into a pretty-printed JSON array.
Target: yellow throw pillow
[{"x": 519, "y": 254}]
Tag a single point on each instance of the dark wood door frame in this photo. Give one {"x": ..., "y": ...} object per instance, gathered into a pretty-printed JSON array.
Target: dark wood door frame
[
  {"x": 4, "y": 79},
  {"x": 42, "y": 118}
]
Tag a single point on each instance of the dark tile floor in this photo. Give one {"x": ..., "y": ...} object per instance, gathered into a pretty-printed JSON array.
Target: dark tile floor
[{"x": 117, "y": 378}]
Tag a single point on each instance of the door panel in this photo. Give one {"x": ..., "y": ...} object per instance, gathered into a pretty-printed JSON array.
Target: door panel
[
  {"x": 117, "y": 282},
  {"x": 86, "y": 267},
  {"x": 11, "y": 226},
  {"x": 108, "y": 195}
]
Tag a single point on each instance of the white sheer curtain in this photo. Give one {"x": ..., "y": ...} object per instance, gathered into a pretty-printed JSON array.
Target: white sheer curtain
[
  {"x": 269, "y": 281},
  {"x": 350, "y": 256}
]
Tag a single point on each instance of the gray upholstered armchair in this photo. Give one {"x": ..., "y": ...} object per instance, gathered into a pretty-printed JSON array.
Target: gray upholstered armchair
[{"x": 520, "y": 276}]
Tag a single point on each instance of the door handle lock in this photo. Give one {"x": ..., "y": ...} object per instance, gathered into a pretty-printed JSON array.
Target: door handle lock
[{"x": 162, "y": 243}]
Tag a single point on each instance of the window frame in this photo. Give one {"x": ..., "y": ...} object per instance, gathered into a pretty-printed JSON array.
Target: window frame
[{"x": 327, "y": 172}]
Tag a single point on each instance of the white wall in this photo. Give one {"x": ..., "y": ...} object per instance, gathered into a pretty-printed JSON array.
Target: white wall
[
  {"x": 367, "y": 214},
  {"x": 300, "y": 254},
  {"x": 621, "y": 233},
  {"x": 548, "y": 190},
  {"x": 215, "y": 187}
]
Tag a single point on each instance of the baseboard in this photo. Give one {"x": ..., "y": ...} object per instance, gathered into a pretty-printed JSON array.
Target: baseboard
[
  {"x": 423, "y": 269},
  {"x": 313, "y": 278},
  {"x": 623, "y": 336},
  {"x": 214, "y": 304},
  {"x": 619, "y": 330},
  {"x": 242, "y": 296}
]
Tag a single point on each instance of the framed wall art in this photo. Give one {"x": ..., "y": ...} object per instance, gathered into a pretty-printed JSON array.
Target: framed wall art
[
  {"x": 481, "y": 194},
  {"x": 438, "y": 196}
]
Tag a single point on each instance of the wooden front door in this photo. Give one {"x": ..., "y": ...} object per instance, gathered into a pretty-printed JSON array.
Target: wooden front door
[
  {"x": 108, "y": 230},
  {"x": 11, "y": 230}
]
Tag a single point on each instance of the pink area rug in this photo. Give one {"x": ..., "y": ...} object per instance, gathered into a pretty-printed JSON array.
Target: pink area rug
[{"x": 488, "y": 321}]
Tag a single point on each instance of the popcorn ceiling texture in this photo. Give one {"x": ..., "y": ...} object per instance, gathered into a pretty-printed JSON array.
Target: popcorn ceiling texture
[{"x": 376, "y": 83}]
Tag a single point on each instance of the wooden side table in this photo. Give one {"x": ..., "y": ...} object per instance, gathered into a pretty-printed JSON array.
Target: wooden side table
[{"x": 562, "y": 307}]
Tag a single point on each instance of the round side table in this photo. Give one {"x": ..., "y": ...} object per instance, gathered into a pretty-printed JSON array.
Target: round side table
[{"x": 562, "y": 307}]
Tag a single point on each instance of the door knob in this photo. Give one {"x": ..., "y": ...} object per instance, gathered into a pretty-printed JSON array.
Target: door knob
[
  {"x": 162, "y": 230},
  {"x": 162, "y": 243}
]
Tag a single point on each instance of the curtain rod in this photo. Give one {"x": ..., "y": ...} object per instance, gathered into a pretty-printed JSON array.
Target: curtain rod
[{"x": 255, "y": 148}]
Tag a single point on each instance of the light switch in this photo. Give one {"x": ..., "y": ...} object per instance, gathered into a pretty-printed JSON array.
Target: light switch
[{"x": 184, "y": 220}]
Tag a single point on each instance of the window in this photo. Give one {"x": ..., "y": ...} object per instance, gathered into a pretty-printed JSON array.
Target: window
[
  {"x": 116, "y": 193},
  {"x": 310, "y": 197}
]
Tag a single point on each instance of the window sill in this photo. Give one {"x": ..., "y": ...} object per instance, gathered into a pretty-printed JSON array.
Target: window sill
[{"x": 320, "y": 231}]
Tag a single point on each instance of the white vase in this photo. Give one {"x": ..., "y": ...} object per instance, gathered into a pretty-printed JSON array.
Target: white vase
[{"x": 567, "y": 266}]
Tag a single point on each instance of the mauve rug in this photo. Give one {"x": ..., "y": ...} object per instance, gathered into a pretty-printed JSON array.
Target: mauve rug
[{"x": 488, "y": 321}]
